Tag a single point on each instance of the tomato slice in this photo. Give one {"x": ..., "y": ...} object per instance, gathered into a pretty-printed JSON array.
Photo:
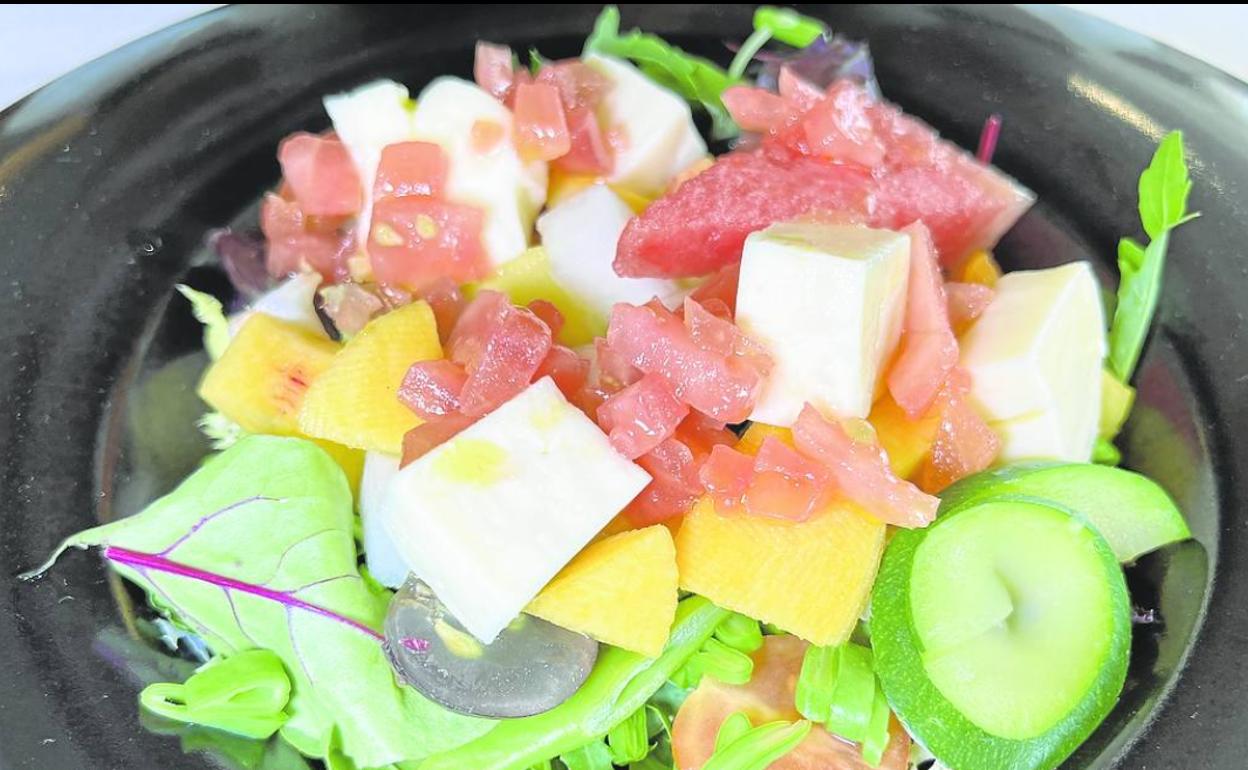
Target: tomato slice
[{"x": 768, "y": 697}]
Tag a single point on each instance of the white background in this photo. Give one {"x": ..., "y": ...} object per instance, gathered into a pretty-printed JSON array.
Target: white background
[{"x": 40, "y": 42}]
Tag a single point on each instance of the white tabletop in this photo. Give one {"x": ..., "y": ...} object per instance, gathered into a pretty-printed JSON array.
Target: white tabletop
[{"x": 40, "y": 42}]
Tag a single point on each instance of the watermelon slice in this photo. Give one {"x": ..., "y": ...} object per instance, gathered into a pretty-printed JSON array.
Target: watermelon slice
[{"x": 842, "y": 153}]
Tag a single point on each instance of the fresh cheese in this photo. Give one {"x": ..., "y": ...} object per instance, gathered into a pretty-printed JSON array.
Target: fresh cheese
[
  {"x": 489, "y": 517},
  {"x": 1035, "y": 358},
  {"x": 456, "y": 114},
  {"x": 651, "y": 128},
  {"x": 367, "y": 119},
  {"x": 382, "y": 558},
  {"x": 827, "y": 301},
  {"x": 580, "y": 235},
  {"x": 292, "y": 300}
]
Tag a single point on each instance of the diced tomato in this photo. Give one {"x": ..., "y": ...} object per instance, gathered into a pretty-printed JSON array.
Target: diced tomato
[
  {"x": 755, "y": 109},
  {"x": 641, "y": 416},
  {"x": 966, "y": 302},
  {"x": 492, "y": 68},
  {"x": 929, "y": 351},
  {"x": 720, "y": 285},
  {"x": 431, "y": 388},
  {"x": 785, "y": 485},
  {"x": 655, "y": 341},
  {"x": 321, "y": 175},
  {"x": 414, "y": 241},
  {"x": 588, "y": 150},
  {"x": 715, "y": 333},
  {"x": 838, "y": 127},
  {"x": 569, "y": 371},
  {"x": 726, "y": 477},
  {"x": 702, "y": 434},
  {"x": 541, "y": 127},
  {"x": 419, "y": 440},
  {"x": 295, "y": 241},
  {"x": 550, "y": 315},
  {"x": 411, "y": 168},
  {"x": 797, "y": 90},
  {"x": 614, "y": 369},
  {"x": 964, "y": 443},
  {"x": 769, "y": 697},
  {"x": 860, "y": 471},
  {"x": 579, "y": 84},
  {"x": 447, "y": 301},
  {"x": 500, "y": 346},
  {"x": 675, "y": 486}
]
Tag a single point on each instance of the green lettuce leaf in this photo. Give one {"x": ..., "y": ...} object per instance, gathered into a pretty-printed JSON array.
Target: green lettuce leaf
[
  {"x": 209, "y": 312},
  {"x": 255, "y": 550}
]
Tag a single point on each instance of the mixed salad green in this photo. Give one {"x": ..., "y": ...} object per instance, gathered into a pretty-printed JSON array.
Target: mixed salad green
[{"x": 767, "y": 440}]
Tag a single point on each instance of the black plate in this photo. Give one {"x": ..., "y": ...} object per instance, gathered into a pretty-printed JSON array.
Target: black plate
[{"x": 110, "y": 177}]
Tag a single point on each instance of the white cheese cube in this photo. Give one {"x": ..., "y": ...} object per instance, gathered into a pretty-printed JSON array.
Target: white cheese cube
[
  {"x": 655, "y": 138},
  {"x": 489, "y": 517},
  {"x": 292, "y": 300},
  {"x": 382, "y": 558},
  {"x": 508, "y": 190},
  {"x": 827, "y": 301},
  {"x": 580, "y": 235},
  {"x": 1035, "y": 358},
  {"x": 366, "y": 120}
]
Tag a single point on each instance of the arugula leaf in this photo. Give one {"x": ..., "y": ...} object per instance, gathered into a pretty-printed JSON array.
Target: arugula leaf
[
  {"x": 789, "y": 26},
  {"x": 209, "y": 312},
  {"x": 694, "y": 78},
  {"x": 1164, "y": 187},
  {"x": 255, "y": 550},
  {"x": 620, "y": 683},
  {"x": 1163, "y": 190}
]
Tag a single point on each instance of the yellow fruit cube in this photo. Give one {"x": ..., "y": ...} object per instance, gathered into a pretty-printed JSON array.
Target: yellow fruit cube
[
  {"x": 907, "y": 442},
  {"x": 355, "y": 401},
  {"x": 350, "y": 460},
  {"x": 620, "y": 591},
  {"x": 752, "y": 439},
  {"x": 563, "y": 185},
  {"x": 262, "y": 378},
  {"x": 528, "y": 277},
  {"x": 979, "y": 267},
  {"x": 811, "y": 578}
]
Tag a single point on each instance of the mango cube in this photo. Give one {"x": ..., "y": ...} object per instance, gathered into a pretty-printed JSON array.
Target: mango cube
[
  {"x": 355, "y": 401},
  {"x": 620, "y": 591},
  {"x": 262, "y": 378}
]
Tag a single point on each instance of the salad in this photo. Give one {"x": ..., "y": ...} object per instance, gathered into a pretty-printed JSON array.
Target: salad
[{"x": 548, "y": 439}]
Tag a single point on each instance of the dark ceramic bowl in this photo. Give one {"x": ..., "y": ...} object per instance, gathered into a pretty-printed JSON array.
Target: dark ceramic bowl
[{"x": 111, "y": 176}]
